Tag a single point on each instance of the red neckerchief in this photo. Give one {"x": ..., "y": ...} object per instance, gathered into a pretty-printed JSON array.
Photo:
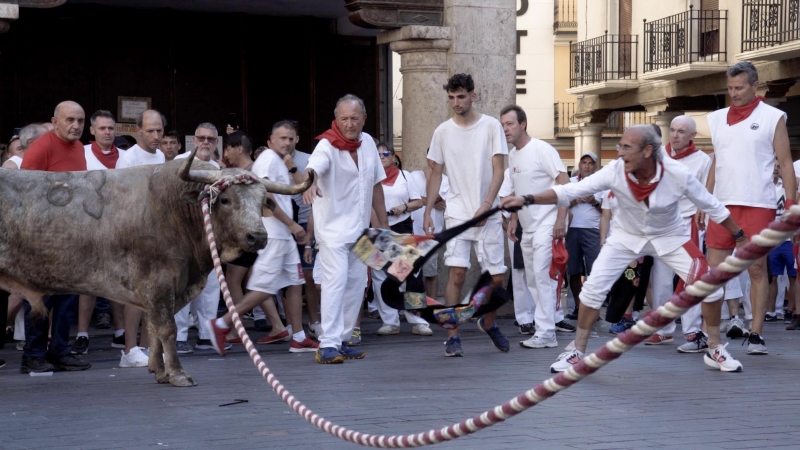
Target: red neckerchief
[
  {"x": 579, "y": 177},
  {"x": 642, "y": 192},
  {"x": 335, "y": 137},
  {"x": 107, "y": 159},
  {"x": 737, "y": 114},
  {"x": 683, "y": 154},
  {"x": 391, "y": 175}
]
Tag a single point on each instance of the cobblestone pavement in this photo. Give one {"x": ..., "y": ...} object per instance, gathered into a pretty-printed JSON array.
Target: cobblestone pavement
[{"x": 652, "y": 397}]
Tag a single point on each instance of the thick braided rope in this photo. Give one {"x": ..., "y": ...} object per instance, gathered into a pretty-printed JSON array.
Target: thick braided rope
[{"x": 777, "y": 232}]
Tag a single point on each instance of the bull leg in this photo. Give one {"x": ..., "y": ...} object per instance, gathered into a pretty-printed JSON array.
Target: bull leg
[
  {"x": 156, "y": 362},
  {"x": 165, "y": 332}
]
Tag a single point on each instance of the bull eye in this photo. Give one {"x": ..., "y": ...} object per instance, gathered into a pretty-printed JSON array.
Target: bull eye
[{"x": 224, "y": 200}]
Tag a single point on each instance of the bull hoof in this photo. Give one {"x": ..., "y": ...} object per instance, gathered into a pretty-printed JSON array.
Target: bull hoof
[
  {"x": 182, "y": 380},
  {"x": 162, "y": 378}
]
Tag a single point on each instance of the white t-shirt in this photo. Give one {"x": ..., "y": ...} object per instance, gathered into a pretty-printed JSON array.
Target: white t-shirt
[
  {"x": 699, "y": 164},
  {"x": 467, "y": 154},
  {"x": 136, "y": 156},
  {"x": 301, "y": 162},
  {"x": 745, "y": 157},
  {"x": 610, "y": 203},
  {"x": 533, "y": 169},
  {"x": 780, "y": 194},
  {"x": 16, "y": 160},
  {"x": 92, "y": 163},
  {"x": 401, "y": 192},
  {"x": 344, "y": 209},
  {"x": 270, "y": 165},
  {"x": 585, "y": 215},
  {"x": 796, "y": 166},
  {"x": 418, "y": 216},
  {"x": 186, "y": 155}
]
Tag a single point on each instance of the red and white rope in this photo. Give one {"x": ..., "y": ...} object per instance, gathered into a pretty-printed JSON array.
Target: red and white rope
[{"x": 760, "y": 245}]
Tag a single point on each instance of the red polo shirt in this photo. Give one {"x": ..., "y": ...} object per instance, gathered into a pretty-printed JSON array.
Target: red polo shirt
[{"x": 52, "y": 154}]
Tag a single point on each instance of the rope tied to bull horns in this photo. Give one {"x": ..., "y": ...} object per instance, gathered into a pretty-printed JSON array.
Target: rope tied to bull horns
[
  {"x": 212, "y": 191},
  {"x": 777, "y": 232}
]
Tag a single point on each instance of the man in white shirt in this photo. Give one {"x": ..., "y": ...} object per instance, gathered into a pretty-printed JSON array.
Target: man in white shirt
[
  {"x": 682, "y": 149},
  {"x": 17, "y": 146},
  {"x": 204, "y": 306},
  {"x": 583, "y": 236},
  {"x": 781, "y": 259},
  {"x": 748, "y": 136},
  {"x": 648, "y": 188},
  {"x": 100, "y": 154},
  {"x": 347, "y": 190},
  {"x": 150, "y": 126},
  {"x": 472, "y": 147},
  {"x": 278, "y": 264},
  {"x": 171, "y": 145},
  {"x": 534, "y": 166}
]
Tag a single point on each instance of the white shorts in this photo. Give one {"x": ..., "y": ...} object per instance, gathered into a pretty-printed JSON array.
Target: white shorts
[
  {"x": 487, "y": 241},
  {"x": 277, "y": 266}
]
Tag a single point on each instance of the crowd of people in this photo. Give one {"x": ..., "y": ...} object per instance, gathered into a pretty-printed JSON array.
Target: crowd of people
[{"x": 629, "y": 231}]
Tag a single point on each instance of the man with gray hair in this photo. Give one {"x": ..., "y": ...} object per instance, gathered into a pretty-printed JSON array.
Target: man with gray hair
[
  {"x": 644, "y": 225},
  {"x": 682, "y": 149},
  {"x": 17, "y": 147},
  {"x": 347, "y": 189},
  {"x": 748, "y": 137}
]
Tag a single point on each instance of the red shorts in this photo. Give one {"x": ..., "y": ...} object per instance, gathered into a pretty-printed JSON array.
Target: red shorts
[{"x": 750, "y": 219}]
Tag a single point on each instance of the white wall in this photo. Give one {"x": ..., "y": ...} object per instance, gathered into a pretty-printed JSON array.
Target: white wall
[
  {"x": 536, "y": 57},
  {"x": 397, "y": 95}
]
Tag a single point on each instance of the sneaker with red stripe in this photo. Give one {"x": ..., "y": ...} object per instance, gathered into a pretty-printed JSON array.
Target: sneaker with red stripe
[
  {"x": 217, "y": 336},
  {"x": 658, "y": 339},
  {"x": 283, "y": 336},
  {"x": 719, "y": 358},
  {"x": 306, "y": 346}
]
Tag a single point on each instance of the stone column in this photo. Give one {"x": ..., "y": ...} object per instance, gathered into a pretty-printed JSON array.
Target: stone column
[
  {"x": 484, "y": 34},
  {"x": 423, "y": 63},
  {"x": 588, "y": 138}
]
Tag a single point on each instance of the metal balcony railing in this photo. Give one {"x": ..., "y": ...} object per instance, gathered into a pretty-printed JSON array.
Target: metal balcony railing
[
  {"x": 565, "y": 18},
  {"x": 604, "y": 58},
  {"x": 691, "y": 36},
  {"x": 769, "y": 22},
  {"x": 616, "y": 123},
  {"x": 563, "y": 114}
]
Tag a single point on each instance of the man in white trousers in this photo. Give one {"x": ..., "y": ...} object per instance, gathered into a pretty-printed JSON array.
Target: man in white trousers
[
  {"x": 348, "y": 187},
  {"x": 648, "y": 188}
]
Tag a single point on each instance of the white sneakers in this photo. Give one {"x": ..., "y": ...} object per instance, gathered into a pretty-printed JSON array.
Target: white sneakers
[
  {"x": 422, "y": 329},
  {"x": 539, "y": 342},
  {"x": 719, "y": 358},
  {"x": 566, "y": 360},
  {"x": 386, "y": 330},
  {"x": 135, "y": 358}
]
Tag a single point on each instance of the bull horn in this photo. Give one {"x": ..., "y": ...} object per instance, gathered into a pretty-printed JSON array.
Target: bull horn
[
  {"x": 198, "y": 176},
  {"x": 289, "y": 189}
]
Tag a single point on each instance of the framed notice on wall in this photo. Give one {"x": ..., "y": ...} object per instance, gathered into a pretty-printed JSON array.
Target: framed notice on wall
[{"x": 129, "y": 108}]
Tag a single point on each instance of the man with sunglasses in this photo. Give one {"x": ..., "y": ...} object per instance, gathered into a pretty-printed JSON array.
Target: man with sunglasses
[{"x": 648, "y": 187}]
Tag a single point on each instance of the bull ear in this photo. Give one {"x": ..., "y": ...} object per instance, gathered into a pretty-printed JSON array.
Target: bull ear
[
  {"x": 270, "y": 204},
  {"x": 289, "y": 189},
  {"x": 193, "y": 196},
  {"x": 198, "y": 176}
]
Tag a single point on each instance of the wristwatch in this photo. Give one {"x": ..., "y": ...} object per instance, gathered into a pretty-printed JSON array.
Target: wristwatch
[{"x": 293, "y": 170}]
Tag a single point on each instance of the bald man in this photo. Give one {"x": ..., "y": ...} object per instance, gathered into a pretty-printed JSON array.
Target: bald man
[
  {"x": 55, "y": 151},
  {"x": 682, "y": 149}
]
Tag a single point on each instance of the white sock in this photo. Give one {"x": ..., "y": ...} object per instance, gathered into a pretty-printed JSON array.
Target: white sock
[
  {"x": 289, "y": 329},
  {"x": 118, "y": 333},
  {"x": 221, "y": 324},
  {"x": 83, "y": 334},
  {"x": 299, "y": 336}
]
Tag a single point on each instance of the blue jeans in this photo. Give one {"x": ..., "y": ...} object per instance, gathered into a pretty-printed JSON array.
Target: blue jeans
[{"x": 64, "y": 308}]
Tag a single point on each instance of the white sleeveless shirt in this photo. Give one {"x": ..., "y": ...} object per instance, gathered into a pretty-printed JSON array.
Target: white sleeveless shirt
[
  {"x": 92, "y": 163},
  {"x": 745, "y": 157},
  {"x": 17, "y": 160}
]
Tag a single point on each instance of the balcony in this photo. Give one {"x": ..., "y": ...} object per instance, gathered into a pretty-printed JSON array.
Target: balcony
[
  {"x": 565, "y": 18},
  {"x": 770, "y": 30},
  {"x": 616, "y": 123},
  {"x": 687, "y": 45},
  {"x": 603, "y": 65}
]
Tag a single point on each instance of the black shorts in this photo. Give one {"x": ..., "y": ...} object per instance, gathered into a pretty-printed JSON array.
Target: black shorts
[{"x": 246, "y": 260}]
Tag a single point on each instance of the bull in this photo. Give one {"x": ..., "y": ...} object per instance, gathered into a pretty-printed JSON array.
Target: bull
[{"x": 135, "y": 236}]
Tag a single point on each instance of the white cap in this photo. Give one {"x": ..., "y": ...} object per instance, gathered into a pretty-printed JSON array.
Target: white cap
[{"x": 591, "y": 155}]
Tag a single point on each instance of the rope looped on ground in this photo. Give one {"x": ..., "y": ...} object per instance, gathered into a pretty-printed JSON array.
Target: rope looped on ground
[{"x": 759, "y": 246}]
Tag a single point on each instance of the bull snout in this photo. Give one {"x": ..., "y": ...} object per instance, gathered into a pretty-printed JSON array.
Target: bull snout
[{"x": 256, "y": 241}]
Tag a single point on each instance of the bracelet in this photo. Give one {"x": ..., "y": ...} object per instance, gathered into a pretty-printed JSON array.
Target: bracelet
[
  {"x": 739, "y": 235},
  {"x": 406, "y": 208},
  {"x": 487, "y": 203},
  {"x": 308, "y": 246},
  {"x": 293, "y": 169},
  {"x": 529, "y": 200}
]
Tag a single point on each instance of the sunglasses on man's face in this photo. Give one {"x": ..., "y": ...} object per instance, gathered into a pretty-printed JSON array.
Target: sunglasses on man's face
[{"x": 385, "y": 153}]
